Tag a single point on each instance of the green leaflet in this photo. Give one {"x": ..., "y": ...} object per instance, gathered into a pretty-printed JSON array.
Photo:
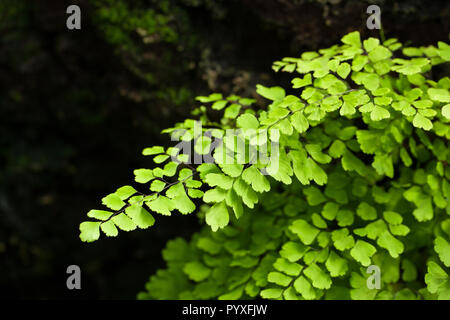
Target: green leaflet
[
  {"x": 342, "y": 240},
  {"x": 330, "y": 210},
  {"x": 444, "y": 50},
  {"x": 360, "y": 290},
  {"x": 442, "y": 248},
  {"x": 219, "y": 180},
  {"x": 280, "y": 169},
  {"x": 271, "y": 293},
  {"x": 249, "y": 197},
  {"x": 305, "y": 288},
  {"x": 209, "y": 245},
  {"x": 279, "y": 278},
  {"x": 362, "y": 252},
  {"x": 299, "y": 83},
  {"x": 379, "y": 53},
  {"x": 409, "y": 270},
  {"x": 366, "y": 211},
  {"x": 180, "y": 199},
  {"x": 141, "y": 217},
  {"x": 219, "y": 104},
  {"x": 392, "y": 217},
  {"x": 232, "y": 111},
  {"x": 109, "y": 228},
  {"x": 304, "y": 231},
  {"x": 214, "y": 195},
  {"x": 371, "y": 44},
  {"x": 125, "y": 192},
  {"x": 299, "y": 122},
  {"x": 293, "y": 251},
  {"x": 423, "y": 202},
  {"x": 89, "y": 231},
  {"x": 319, "y": 278},
  {"x": 203, "y": 145},
  {"x": 123, "y": 222},
  {"x": 99, "y": 214},
  {"x": 273, "y": 93},
  {"x": 343, "y": 70},
  {"x": 289, "y": 268},
  {"x": 234, "y": 201},
  {"x": 345, "y": 218},
  {"x": 314, "y": 196},
  {"x": 247, "y": 121},
  {"x": 256, "y": 179},
  {"x": 315, "y": 172},
  {"x": 196, "y": 271},
  {"x": 352, "y": 39},
  {"x": 446, "y": 111},
  {"x": 113, "y": 201},
  {"x": 318, "y": 221},
  {"x": 143, "y": 175},
  {"x": 389, "y": 242},
  {"x": 383, "y": 164},
  {"x": 336, "y": 265},
  {"x": 440, "y": 95},
  {"x": 157, "y": 185},
  {"x": 337, "y": 149},
  {"x": 162, "y": 205},
  {"x": 217, "y": 216},
  {"x": 379, "y": 113},
  {"x": 438, "y": 281},
  {"x": 315, "y": 151},
  {"x": 153, "y": 150},
  {"x": 233, "y": 170},
  {"x": 210, "y": 98}
]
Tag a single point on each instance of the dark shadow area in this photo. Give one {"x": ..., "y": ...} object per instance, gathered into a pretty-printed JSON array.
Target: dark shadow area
[{"x": 78, "y": 106}]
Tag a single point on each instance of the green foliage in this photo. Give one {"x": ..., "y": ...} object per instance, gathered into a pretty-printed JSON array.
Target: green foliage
[
  {"x": 358, "y": 177},
  {"x": 119, "y": 21}
]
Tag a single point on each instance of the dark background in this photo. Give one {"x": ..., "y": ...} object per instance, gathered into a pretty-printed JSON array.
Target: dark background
[{"x": 78, "y": 106}]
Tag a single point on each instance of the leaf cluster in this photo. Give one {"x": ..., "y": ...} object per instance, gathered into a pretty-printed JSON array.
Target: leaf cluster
[{"x": 359, "y": 177}]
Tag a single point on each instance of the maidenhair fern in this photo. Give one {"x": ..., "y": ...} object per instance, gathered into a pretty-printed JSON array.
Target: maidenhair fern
[{"x": 348, "y": 170}]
